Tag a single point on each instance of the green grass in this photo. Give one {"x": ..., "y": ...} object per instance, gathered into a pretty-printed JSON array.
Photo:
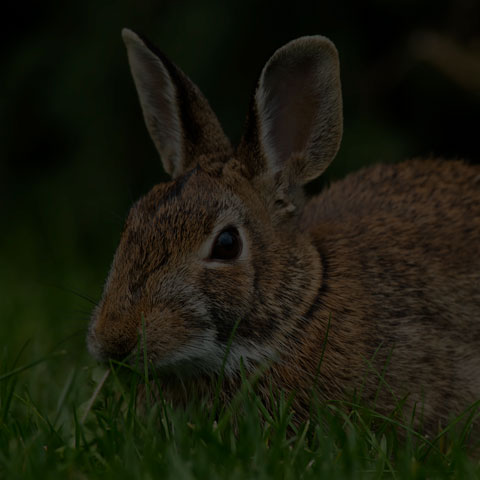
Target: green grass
[{"x": 57, "y": 421}]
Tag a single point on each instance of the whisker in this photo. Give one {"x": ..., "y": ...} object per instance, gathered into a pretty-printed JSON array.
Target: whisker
[
  {"x": 74, "y": 292},
  {"x": 85, "y": 313},
  {"x": 74, "y": 334}
]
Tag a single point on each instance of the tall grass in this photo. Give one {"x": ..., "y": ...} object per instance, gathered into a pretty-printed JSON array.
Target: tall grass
[{"x": 92, "y": 424}]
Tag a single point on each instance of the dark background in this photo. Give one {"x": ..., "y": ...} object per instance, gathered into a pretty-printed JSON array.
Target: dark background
[{"x": 74, "y": 151}]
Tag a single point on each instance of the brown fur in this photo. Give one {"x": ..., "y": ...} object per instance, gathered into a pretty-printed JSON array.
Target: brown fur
[{"x": 373, "y": 285}]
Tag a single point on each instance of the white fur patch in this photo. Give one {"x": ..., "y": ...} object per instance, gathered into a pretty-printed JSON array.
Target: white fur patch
[
  {"x": 204, "y": 353},
  {"x": 250, "y": 354},
  {"x": 201, "y": 353}
]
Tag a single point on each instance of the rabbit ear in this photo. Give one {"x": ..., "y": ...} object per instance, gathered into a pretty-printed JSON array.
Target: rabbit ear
[
  {"x": 295, "y": 122},
  {"x": 178, "y": 117}
]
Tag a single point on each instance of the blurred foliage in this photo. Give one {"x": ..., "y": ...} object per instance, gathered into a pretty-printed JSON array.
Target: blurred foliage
[{"x": 74, "y": 151}]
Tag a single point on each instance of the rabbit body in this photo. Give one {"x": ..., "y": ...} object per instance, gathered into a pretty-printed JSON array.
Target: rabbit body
[
  {"x": 401, "y": 254},
  {"x": 372, "y": 286}
]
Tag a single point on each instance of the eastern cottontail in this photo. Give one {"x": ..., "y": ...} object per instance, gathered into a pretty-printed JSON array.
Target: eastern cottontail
[{"x": 375, "y": 282}]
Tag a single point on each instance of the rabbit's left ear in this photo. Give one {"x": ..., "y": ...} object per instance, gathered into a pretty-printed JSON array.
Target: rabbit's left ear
[
  {"x": 295, "y": 122},
  {"x": 178, "y": 117}
]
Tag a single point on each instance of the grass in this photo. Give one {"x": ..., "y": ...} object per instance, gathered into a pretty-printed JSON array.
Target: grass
[{"x": 87, "y": 422}]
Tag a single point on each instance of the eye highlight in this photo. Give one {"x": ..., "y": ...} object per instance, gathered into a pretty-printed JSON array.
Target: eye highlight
[{"x": 227, "y": 245}]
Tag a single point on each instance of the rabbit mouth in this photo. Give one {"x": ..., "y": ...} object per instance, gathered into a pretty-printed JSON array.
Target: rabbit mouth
[{"x": 202, "y": 355}]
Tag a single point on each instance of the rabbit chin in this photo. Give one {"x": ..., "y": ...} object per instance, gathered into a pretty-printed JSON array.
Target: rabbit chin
[{"x": 206, "y": 355}]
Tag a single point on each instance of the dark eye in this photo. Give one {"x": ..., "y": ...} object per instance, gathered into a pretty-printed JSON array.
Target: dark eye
[{"x": 227, "y": 245}]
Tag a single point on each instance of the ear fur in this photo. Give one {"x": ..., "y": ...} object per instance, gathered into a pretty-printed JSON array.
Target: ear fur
[
  {"x": 295, "y": 122},
  {"x": 178, "y": 117}
]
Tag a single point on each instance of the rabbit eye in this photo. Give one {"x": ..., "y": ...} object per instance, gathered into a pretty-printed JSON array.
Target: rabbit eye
[{"x": 227, "y": 245}]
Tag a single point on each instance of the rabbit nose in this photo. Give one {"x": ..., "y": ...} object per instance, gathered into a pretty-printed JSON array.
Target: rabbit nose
[
  {"x": 116, "y": 348},
  {"x": 115, "y": 338}
]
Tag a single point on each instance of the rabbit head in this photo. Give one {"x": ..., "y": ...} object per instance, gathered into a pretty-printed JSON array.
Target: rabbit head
[{"x": 220, "y": 246}]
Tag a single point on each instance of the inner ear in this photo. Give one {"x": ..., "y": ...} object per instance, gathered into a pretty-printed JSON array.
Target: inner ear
[
  {"x": 285, "y": 100},
  {"x": 295, "y": 123}
]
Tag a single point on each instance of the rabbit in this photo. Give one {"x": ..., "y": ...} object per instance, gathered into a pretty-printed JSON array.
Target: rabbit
[{"x": 371, "y": 286}]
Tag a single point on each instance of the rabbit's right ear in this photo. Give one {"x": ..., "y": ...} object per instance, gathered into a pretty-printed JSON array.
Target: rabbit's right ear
[
  {"x": 178, "y": 117},
  {"x": 295, "y": 121}
]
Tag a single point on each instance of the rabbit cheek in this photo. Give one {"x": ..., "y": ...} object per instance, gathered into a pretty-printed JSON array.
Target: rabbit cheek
[{"x": 228, "y": 293}]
